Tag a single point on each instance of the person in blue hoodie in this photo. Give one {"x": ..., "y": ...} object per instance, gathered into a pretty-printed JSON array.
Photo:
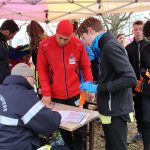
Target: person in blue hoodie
[{"x": 22, "y": 115}]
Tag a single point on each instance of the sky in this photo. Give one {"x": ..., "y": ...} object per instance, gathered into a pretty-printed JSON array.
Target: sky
[{"x": 21, "y": 38}]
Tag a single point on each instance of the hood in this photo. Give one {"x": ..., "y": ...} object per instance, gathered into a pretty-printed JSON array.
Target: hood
[{"x": 17, "y": 80}]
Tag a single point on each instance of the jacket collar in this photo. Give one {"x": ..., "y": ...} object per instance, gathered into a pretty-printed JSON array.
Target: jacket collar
[
  {"x": 143, "y": 40},
  {"x": 106, "y": 37},
  {"x": 17, "y": 80},
  {"x": 2, "y": 37}
]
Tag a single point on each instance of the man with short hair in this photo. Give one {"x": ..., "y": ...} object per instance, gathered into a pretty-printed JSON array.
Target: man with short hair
[
  {"x": 58, "y": 62},
  {"x": 22, "y": 115},
  {"x": 8, "y": 30},
  {"x": 115, "y": 82},
  {"x": 134, "y": 53}
]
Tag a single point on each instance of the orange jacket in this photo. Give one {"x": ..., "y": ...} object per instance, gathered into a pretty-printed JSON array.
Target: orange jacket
[{"x": 58, "y": 67}]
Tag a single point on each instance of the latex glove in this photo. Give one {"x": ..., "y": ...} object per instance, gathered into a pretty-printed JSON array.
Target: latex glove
[{"x": 89, "y": 86}]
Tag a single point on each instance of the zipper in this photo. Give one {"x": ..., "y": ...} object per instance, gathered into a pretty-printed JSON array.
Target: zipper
[
  {"x": 65, "y": 72},
  {"x": 99, "y": 68},
  {"x": 139, "y": 53},
  {"x": 109, "y": 102}
]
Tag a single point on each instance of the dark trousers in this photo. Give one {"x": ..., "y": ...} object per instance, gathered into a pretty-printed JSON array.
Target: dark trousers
[
  {"x": 146, "y": 136},
  {"x": 146, "y": 122},
  {"x": 74, "y": 140},
  {"x": 116, "y": 134},
  {"x": 138, "y": 111},
  {"x": 60, "y": 148}
]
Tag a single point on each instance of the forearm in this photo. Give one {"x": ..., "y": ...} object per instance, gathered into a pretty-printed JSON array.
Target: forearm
[{"x": 121, "y": 83}]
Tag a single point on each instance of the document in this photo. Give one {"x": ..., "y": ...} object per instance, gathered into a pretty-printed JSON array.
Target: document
[{"x": 73, "y": 116}]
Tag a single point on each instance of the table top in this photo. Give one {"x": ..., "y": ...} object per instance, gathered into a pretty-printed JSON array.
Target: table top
[{"x": 72, "y": 126}]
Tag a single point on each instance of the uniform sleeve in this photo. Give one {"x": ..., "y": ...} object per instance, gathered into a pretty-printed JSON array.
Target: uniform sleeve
[
  {"x": 19, "y": 52},
  {"x": 45, "y": 122},
  {"x": 85, "y": 66},
  {"x": 118, "y": 58},
  {"x": 37, "y": 117},
  {"x": 43, "y": 71}
]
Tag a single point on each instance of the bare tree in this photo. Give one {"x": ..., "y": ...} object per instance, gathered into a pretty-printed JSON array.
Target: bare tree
[
  {"x": 147, "y": 17},
  {"x": 116, "y": 22}
]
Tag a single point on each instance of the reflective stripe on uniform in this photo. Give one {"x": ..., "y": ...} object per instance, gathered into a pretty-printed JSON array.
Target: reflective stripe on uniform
[
  {"x": 32, "y": 112},
  {"x": 8, "y": 121}
]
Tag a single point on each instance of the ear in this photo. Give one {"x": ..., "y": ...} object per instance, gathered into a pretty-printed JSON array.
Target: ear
[
  {"x": 90, "y": 30},
  {"x": 6, "y": 32},
  {"x": 132, "y": 31}
]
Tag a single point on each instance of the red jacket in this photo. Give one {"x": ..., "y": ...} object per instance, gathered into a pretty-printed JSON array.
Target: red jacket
[{"x": 58, "y": 67}]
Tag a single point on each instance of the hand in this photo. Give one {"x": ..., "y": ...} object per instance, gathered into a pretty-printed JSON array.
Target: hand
[
  {"x": 46, "y": 101},
  {"x": 91, "y": 97},
  {"x": 51, "y": 106},
  {"x": 89, "y": 86},
  {"x": 40, "y": 91}
]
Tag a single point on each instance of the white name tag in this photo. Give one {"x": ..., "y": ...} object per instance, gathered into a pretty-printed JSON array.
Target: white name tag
[{"x": 72, "y": 61}]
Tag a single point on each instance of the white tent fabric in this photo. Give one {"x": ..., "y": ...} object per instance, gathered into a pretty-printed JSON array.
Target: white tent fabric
[{"x": 55, "y": 10}]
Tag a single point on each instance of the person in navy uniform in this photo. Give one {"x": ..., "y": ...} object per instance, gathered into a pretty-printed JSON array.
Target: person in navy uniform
[{"x": 22, "y": 115}]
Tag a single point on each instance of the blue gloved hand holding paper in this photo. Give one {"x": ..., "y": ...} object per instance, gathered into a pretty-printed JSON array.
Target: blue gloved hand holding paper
[{"x": 89, "y": 86}]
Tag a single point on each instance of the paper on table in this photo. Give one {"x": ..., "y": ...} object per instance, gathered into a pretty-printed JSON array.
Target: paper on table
[{"x": 73, "y": 116}]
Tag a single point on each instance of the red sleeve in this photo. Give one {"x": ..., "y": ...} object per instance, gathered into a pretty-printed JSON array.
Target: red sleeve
[
  {"x": 85, "y": 66},
  {"x": 43, "y": 71}
]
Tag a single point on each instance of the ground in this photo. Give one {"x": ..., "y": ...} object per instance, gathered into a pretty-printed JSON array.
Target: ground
[{"x": 99, "y": 141}]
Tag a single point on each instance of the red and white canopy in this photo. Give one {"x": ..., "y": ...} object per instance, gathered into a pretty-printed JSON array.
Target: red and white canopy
[{"x": 55, "y": 10}]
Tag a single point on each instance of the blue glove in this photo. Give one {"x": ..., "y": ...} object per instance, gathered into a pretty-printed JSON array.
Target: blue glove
[{"x": 89, "y": 86}]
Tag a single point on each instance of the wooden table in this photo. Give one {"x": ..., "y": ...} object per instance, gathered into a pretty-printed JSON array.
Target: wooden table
[{"x": 93, "y": 115}]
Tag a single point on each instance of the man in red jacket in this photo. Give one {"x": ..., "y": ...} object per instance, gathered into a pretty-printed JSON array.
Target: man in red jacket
[{"x": 59, "y": 59}]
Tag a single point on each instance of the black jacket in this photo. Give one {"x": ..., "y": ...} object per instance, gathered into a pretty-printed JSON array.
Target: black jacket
[
  {"x": 4, "y": 64},
  {"x": 116, "y": 77},
  {"x": 134, "y": 53},
  {"x": 145, "y": 57},
  {"x": 23, "y": 116}
]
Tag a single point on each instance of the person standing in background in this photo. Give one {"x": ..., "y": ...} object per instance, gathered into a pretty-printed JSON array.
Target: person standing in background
[
  {"x": 36, "y": 34},
  {"x": 58, "y": 62},
  {"x": 8, "y": 30},
  {"x": 134, "y": 54},
  {"x": 122, "y": 39}
]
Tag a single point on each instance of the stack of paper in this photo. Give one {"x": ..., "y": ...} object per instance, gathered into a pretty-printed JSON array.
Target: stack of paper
[{"x": 73, "y": 116}]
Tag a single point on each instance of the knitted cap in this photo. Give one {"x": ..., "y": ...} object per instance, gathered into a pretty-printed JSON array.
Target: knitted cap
[
  {"x": 22, "y": 69},
  {"x": 65, "y": 28}
]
